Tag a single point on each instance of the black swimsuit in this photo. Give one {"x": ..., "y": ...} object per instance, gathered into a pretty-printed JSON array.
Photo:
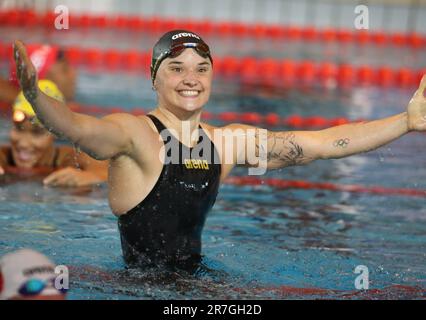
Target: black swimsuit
[{"x": 166, "y": 226}]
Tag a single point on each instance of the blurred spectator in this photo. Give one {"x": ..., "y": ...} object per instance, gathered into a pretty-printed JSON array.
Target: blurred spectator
[{"x": 32, "y": 146}]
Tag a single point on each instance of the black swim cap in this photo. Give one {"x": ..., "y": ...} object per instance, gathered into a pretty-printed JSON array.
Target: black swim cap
[{"x": 172, "y": 44}]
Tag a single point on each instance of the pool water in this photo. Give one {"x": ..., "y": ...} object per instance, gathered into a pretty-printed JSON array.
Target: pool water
[{"x": 258, "y": 242}]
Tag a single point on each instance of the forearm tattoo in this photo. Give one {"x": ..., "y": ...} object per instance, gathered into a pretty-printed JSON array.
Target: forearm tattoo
[
  {"x": 283, "y": 150},
  {"x": 341, "y": 143}
]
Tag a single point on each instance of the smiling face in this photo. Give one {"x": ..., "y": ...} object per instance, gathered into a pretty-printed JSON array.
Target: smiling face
[
  {"x": 30, "y": 143},
  {"x": 184, "y": 83}
]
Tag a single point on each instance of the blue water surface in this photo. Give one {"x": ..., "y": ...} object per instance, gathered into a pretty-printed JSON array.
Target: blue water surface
[{"x": 258, "y": 242}]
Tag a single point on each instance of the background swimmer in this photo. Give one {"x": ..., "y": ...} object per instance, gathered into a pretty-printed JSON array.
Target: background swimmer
[
  {"x": 52, "y": 64},
  {"x": 32, "y": 146},
  {"x": 28, "y": 275}
]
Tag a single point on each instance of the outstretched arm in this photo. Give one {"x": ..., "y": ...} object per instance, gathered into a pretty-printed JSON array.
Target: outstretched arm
[
  {"x": 301, "y": 147},
  {"x": 292, "y": 148},
  {"x": 101, "y": 138},
  {"x": 348, "y": 139}
]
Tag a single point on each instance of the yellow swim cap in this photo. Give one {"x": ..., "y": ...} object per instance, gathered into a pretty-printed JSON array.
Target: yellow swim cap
[{"x": 22, "y": 109}]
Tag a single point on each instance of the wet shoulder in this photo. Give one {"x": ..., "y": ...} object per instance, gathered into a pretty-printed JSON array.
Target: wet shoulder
[
  {"x": 215, "y": 132},
  {"x": 136, "y": 126},
  {"x": 132, "y": 124}
]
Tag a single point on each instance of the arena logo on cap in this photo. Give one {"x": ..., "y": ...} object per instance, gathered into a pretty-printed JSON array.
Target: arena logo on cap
[
  {"x": 41, "y": 269},
  {"x": 185, "y": 34}
]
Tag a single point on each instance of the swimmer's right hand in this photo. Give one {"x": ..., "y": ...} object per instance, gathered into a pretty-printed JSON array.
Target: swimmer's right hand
[
  {"x": 1, "y": 170},
  {"x": 25, "y": 71}
]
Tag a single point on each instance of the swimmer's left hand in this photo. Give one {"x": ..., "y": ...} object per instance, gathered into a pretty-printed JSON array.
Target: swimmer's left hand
[
  {"x": 417, "y": 109},
  {"x": 25, "y": 71},
  {"x": 71, "y": 177}
]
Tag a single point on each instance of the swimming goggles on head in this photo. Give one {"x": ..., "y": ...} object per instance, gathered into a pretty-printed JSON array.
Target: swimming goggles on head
[
  {"x": 34, "y": 287},
  {"x": 175, "y": 50}
]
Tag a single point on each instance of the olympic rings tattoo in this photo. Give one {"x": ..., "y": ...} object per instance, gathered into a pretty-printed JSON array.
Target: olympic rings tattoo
[{"x": 341, "y": 143}]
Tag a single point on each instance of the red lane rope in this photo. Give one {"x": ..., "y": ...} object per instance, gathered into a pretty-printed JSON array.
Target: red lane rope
[
  {"x": 254, "y": 118},
  {"x": 155, "y": 24},
  {"x": 271, "y": 119},
  {"x": 251, "y": 70},
  {"x": 270, "y": 182},
  {"x": 299, "y": 184}
]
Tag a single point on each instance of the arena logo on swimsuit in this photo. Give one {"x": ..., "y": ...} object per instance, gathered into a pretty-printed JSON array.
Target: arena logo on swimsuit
[
  {"x": 196, "y": 164},
  {"x": 185, "y": 34}
]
